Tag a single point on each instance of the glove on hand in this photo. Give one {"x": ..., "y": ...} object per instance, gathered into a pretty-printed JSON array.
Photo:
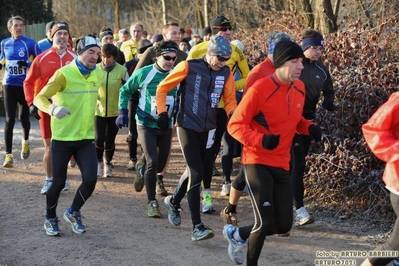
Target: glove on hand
[
  {"x": 22, "y": 63},
  {"x": 59, "y": 111},
  {"x": 123, "y": 118},
  {"x": 163, "y": 121},
  {"x": 270, "y": 141},
  {"x": 328, "y": 105},
  {"x": 315, "y": 132},
  {"x": 1, "y": 66},
  {"x": 34, "y": 111}
]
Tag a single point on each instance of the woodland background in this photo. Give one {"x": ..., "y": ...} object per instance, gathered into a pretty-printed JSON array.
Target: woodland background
[{"x": 361, "y": 52}]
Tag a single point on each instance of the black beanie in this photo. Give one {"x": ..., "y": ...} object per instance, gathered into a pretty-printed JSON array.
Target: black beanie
[
  {"x": 218, "y": 21},
  {"x": 285, "y": 51}
]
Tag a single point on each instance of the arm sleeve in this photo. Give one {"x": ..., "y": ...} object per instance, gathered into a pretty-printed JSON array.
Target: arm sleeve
[
  {"x": 32, "y": 81},
  {"x": 128, "y": 89},
  {"x": 239, "y": 124},
  {"x": 177, "y": 75},
  {"x": 242, "y": 68},
  {"x": 56, "y": 84},
  {"x": 381, "y": 131},
  {"x": 229, "y": 95},
  {"x": 328, "y": 89}
]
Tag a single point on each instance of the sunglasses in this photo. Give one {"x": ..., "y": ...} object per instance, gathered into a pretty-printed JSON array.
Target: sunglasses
[
  {"x": 168, "y": 58},
  {"x": 222, "y": 59},
  {"x": 223, "y": 28}
]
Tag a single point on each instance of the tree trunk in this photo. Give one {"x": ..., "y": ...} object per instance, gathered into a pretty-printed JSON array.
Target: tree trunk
[
  {"x": 115, "y": 3},
  {"x": 307, "y": 13},
  {"x": 206, "y": 15},
  {"x": 164, "y": 12},
  {"x": 328, "y": 20}
]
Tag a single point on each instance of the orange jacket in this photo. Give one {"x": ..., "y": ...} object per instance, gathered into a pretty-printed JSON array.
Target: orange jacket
[
  {"x": 269, "y": 107},
  {"x": 262, "y": 70},
  {"x": 382, "y": 135},
  {"x": 42, "y": 69}
]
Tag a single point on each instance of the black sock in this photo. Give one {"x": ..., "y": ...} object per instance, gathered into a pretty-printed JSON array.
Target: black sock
[{"x": 231, "y": 208}]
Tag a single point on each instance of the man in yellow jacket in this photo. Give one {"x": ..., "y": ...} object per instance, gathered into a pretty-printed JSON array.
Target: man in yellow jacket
[{"x": 73, "y": 90}]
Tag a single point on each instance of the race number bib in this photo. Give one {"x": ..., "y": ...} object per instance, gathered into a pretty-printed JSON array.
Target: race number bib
[
  {"x": 14, "y": 69},
  {"x": 211, "y": 138},
  {"x": 170, "y": 103}
]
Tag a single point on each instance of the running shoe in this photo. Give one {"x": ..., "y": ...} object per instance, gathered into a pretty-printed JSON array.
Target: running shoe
[
  {"x": 75, "y": 220},
  {"x": 225, "y": 189},
  {"x": 235, "y": 249},
  {"x": 66, "y": 186},
  {"x": 303, "y": 217},
  {"x": 51, "y": 227},
  {"x": 100, "y": 168},
  {"x": 139, "y": 179},
  {"x": 173, "y": 211},
  {"x": 207, "y": 205},
  {"x": 25, "y": 151},
  {"x": 153, "y": 209},
  {"x": 161, "y": 189},
  {"x": 9, "y": 161},
  {"x": 108, "y": 170},
  {"x": 228, "y": 218},
  {"x": 46, "y": 186},
  {"x": 131, "y": 165},
  {"x": 200, "y": 232}
]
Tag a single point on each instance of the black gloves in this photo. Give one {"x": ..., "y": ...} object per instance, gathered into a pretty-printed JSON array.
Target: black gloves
[
  {"x": 328, "y": 105},
  {"x": 34, "y": 111},
  {"x": 1, "y": 66},
  {"x": 315, "y": 132},
  {"x": 163, "y": 121},
  {"x": 123, "y": 118},
  {"x": 22, "y": 63},
  {"x": 270, "y": 141}
]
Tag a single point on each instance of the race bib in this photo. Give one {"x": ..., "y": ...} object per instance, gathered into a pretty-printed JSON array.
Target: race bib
[
  {"x": 13, "y": 68},
  {"x": 170, "y": 103},
  {"x": 211, "y": 138}
]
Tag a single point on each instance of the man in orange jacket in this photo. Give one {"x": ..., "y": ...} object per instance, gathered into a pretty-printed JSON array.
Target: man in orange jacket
[{"x": 41, "y": 70}]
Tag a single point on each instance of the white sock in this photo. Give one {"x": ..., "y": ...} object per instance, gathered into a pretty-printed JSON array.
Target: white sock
[
  {"x": 25, "y": 141},
  {"x": 49, "y": 178}
]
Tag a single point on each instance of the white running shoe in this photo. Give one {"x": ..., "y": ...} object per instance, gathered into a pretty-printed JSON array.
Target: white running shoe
[
  {"x": 47, "y": 184},
  {"x": 226, "y": 189},
  {"x": 67, "y": 185},
  {"x": 100, "y": 168},
  {"x": 303, "y": 217},
  {"x": 108, "y": 170}
]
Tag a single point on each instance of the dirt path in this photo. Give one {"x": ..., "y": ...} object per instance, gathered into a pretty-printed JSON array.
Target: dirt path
[{"x": 119, "y": 231}]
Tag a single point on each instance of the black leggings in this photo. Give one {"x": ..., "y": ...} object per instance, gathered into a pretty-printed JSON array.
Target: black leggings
[
  {"x": 271, "y": 198},
  {"x": 231, "y": 149},
  {"x": 194, "y": 147},
  {"x": 84, "y": 152},
  {"x": 132, "y": 136},
  {"x": 106, "y": 131},
  {"x": 299, "y": 151},
  {"x": 156, "y": 146},
  {"x": 14, "y": 95},
  {"x": 221, "y": 123},
  {"x": 393, "y": 242}
]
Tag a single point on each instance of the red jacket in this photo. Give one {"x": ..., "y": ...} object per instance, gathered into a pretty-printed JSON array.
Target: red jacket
[
  {"x": 382, "y": 135},
  {"x": 42, "y": 69},
  {"x": 269, "y": 107},
  {"x": 262, "y": 70}
]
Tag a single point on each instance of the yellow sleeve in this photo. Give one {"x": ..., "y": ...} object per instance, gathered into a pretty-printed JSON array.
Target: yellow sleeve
[
  {"x": 56, "y": 84},
  {"x": 178, "y": 74},
  {"x": 198, "y": 50},
  {"x": 126, "y": 50},
  {"x": 238, "y": 62}
]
